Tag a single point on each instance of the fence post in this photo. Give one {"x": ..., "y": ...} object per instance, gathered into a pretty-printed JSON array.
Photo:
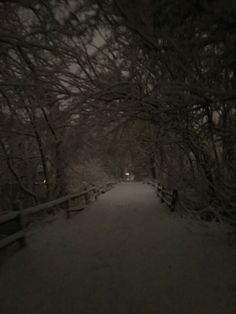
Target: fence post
[
  {"x": 21, "y": 223},
  {"x": 96, "y": 193},
  {"x": 162, "y": 194},
  {"x": 174, "y": 200},
  {"x": 68, "y": 203},
  {"x": 87, "y": 199}
]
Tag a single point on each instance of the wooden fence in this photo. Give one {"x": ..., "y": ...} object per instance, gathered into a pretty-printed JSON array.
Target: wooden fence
[
  {"x": 12, "y": 224},
  {"x": 169, "y": 197}
]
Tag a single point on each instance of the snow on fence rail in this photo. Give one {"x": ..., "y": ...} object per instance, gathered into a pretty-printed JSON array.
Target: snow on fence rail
[
  {"x": 169, "y": 197},
  {"x": 16, "y": 219}
]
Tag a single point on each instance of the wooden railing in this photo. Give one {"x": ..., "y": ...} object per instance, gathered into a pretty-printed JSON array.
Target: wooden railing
[
  {"x": 12, "y": 224},
  {"x": 169, "y": 197}
]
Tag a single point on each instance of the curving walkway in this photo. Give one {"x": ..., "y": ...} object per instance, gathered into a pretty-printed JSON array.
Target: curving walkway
[{"x": 125, "y": 254}]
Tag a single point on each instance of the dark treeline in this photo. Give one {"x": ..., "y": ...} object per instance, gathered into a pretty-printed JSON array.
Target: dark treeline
[{"x": 91, "y": 89}]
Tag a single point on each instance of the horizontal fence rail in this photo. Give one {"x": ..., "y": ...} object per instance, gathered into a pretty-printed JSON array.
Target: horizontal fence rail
[
  {"x": 12, "y": 228},
  {"x": 167, "y": 196}
]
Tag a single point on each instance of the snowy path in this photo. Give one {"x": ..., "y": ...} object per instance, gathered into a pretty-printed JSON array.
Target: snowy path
[{"x": 125, "y": 254}]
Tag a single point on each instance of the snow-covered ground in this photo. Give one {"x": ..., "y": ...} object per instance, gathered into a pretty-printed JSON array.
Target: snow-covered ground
[{"x": 124, "y": 254}]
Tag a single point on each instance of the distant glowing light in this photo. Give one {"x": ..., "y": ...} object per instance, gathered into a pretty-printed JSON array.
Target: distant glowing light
[
  {"x": 44, "y": 181},
  {"x": 127, "y": 173}
]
